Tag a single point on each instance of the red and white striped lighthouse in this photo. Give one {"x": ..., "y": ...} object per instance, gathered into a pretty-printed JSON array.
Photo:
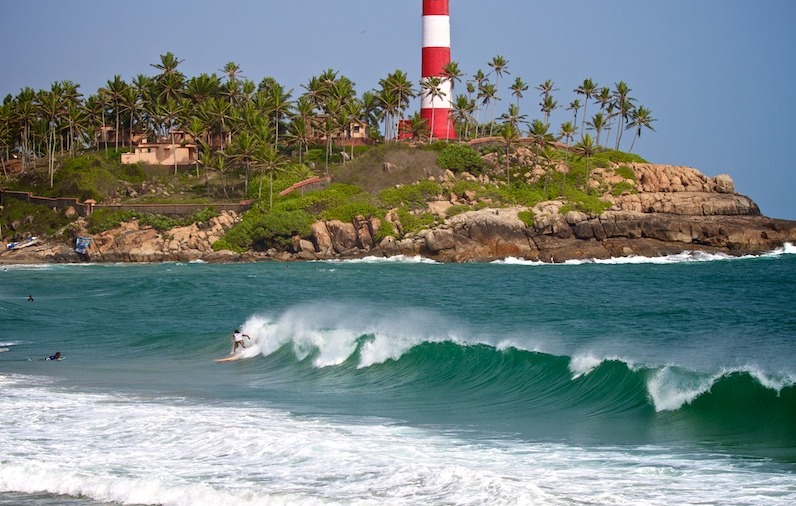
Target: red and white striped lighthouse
[{"x": 436, "y": 55}]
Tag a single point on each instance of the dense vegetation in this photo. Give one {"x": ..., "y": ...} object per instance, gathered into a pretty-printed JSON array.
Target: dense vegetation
[{"x": 257, "y": 139}]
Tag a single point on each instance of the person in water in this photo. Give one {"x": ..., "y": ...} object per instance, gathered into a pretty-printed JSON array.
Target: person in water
[
  {"x": 57, "y": 356},
  {"x": 237, "y": 340}
]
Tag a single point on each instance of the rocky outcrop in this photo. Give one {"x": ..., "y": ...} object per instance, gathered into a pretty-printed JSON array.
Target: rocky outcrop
[
  {"x": 671, "y": 210},
  {"x": 132, "y": 242}
]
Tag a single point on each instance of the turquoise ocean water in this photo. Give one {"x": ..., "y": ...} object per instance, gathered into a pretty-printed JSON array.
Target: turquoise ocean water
[{"x": 666, "y": 381}]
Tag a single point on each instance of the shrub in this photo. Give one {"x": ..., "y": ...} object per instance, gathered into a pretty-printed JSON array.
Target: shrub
[
  {"x": 386, "y": 229},
  {"x": 527, "y": 217},
  {"x": 414, "y": 196},
  {"x": 414, "y": 222},
  {"x": 106, "y": 219},
  {"x": 458, "y": 209},
  {"x": 620, "y": 188},
  {"x": 625, "y": 172},
  {"x": 260, "y": 230},
  {"x": 589, "y": 204},
  {"x": 30, "y": 219},
  {"x": 460, "y": 157}
]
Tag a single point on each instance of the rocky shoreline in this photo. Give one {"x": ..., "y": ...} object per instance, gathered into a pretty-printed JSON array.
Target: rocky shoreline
[{"x": 672, "y": 210}]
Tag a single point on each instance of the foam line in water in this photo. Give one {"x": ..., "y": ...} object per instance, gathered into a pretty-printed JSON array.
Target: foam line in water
[
  {"x": 398, "y": 259},
  {"x": 684, "y": 257}
]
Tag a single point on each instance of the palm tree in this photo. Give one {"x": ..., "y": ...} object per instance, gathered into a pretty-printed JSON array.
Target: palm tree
[
  {"x": 587, "y": 89},
  {"x": 94, "y": 110},
  {"x": 509, "y": 134},
  {"x": 517, "y": 88},
  {"x": 540, "y": 137},
  {"x": 395, "y": 94},
  {"x": 546, "y": 88},
  {"x": 170, "y": 81},
  {"x": 567, "y": 132},
  {"x": 598, "y": 123},
  {"x": 586, "y": 148},
  {"x": 24, "y": 113},
  {"x": 114, "y": 92},
  {"x": 624, "y": 105},
  {"x": 169, "y": 112},
  {"x": 50, "y": 106},
  {"x": 279, "y": 104},
  {"x": 514, "y": 117},
  {"x": 130, "y": 106},
  {"x": 499, "y": 65},
  {"x": 269, "y": 159},
  {"x": 574, "y": 106},
  {"x": 641, "y": 117},
  {"x": 432, "y": 89},
  {"x": 72, "y": 104},
  {"x": 197, "y": 128},
  {"x": 244, "y": 150},
  {"x": 548, "y": 105},
  {"x": 451, "y": 74},
  {"x": 463, "y": 109},
  {"x": 549, "y": 157},
  {"x": 416, "y": 126},
  {"x": 487, "y": 94},
  {"x": 370, "y": 110}
]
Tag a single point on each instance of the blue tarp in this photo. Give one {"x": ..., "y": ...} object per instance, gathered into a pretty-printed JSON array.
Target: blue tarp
[{"x": 82, "y": 244}]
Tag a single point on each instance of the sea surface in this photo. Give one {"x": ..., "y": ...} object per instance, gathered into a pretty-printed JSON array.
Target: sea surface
[{"x": 401, "y": 382}]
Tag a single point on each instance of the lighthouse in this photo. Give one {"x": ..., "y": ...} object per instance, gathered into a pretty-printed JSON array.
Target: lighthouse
[{"x": 436, "y": 55}]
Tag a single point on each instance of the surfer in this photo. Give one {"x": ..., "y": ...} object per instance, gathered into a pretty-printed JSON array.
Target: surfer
[
  {"x": 57, "y": 356},
  {"x": 237, "y": 340},
  {"x": 30, "y": 298}
]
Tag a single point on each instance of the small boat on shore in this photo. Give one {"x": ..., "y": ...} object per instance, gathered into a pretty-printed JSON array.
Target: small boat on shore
[{"x": 30, "y": 241}]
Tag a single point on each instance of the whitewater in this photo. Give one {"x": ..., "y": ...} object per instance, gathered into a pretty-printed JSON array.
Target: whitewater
[{"x": 401, "y": 381}]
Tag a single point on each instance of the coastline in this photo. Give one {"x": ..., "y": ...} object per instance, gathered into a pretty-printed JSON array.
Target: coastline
[
  {"x": 670, "y": 210},
  {"x": 481, "y": 236}
]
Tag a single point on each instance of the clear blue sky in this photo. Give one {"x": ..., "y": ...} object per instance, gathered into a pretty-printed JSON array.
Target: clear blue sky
[{"x": 718, "y": 75}]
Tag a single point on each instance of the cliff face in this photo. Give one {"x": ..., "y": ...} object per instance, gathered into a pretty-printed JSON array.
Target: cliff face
[{"x": 671, "y": 210}]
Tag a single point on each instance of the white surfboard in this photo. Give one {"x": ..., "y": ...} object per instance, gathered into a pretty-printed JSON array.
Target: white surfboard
[{"x": 231, "y": 358}]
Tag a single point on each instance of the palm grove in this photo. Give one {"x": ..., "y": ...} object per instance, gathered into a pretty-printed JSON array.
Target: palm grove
[{"x": 265, "y": 130}]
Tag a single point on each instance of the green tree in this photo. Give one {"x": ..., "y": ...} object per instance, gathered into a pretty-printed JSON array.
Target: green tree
[
  {"x": 567, "y": 132},
  {"x": 598, "y": 123},
  {"x": 587, "y": 89},
  {"x": 451, "y": 74},
  {"x": 432, "y": 91},
  {"x": 640, "y": 118},
  {"x": 244, "y": 150},
  {"x": 624, "y": 105},
  {"x": 509, "y": 134},
  {"x": 499, "y": 65},
  {"x": 586, "y": 148},
  {"x": 114, "y": 93},
  {"x": 517, "y": 89}
]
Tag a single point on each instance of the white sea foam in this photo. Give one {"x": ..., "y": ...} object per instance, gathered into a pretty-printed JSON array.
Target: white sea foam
[
  {"x": 331, "y": 332},
  {"x": 683, "y": 257},
  {"x": 401, "y": 259},
  {"x": 786, "y": 249},
  {"x": 132, "y": 450},
  {"x": 670, "y": 388},
  {"x": 581, "y": 365},
  {"x": 519, "y": 261}
]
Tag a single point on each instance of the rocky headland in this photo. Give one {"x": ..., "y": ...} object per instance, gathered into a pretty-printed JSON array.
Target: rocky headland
[{"x": 669, "y": 210}]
